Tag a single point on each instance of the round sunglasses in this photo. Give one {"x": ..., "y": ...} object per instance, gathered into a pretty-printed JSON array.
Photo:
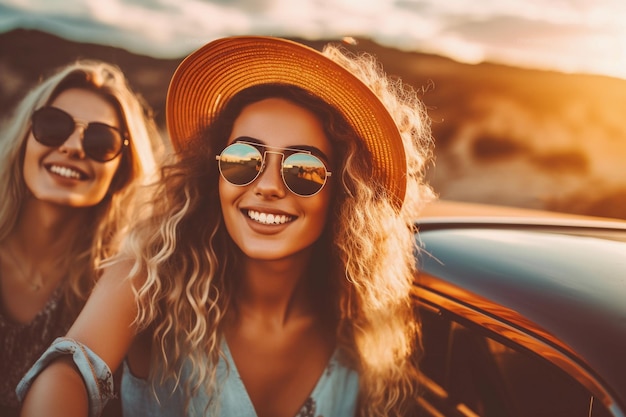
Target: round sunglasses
[
  {"x": 304, "y": 174},
  {"x": 52, "y": 126}
]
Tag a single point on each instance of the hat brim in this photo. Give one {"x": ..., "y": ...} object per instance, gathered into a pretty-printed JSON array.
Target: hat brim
[{"x": 207, "y": 78}]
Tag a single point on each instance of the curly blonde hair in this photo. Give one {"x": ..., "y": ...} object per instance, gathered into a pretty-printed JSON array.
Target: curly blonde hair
[
  {"x": 109, "y": 219},
  {"x": 186, "y": 264}
]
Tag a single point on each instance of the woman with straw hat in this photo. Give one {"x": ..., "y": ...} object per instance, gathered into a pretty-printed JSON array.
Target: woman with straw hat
[{"x": 274, "y": 277}]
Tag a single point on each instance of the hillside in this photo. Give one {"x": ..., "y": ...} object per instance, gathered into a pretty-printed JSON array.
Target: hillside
[
  {"x": 504, "y": 135},
  {"x": 26, "y": 55}
]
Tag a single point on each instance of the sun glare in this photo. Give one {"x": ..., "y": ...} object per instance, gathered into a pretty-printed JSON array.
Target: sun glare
[{"x": 620, "y": 58}]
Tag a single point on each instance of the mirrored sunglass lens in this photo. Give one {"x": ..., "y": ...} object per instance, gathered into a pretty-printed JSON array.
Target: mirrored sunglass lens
[
  {"x": 240, "y": 163},
  {"x": 52, "y": 127},
  {"x": 102, "y": 142},
  {"x": 304, "y": 174}
]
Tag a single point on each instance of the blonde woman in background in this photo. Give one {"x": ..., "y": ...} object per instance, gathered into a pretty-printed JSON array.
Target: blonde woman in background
[
  {"x": 71, "y": 157},
  {"x": 274, "y": 277}
]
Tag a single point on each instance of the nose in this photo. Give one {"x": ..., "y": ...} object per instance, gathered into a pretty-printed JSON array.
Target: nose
[
  {"x": 73, "y": 145},
  {"x": 270, "y": 182}
]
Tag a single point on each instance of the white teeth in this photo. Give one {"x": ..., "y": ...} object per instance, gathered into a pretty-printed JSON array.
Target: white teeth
[
  {"x": 65, "y": 172},
  {"x": 268, "y": 218}
]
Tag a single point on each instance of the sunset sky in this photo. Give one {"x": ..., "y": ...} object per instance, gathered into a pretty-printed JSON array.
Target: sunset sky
[{"x": 586, "y": 36}]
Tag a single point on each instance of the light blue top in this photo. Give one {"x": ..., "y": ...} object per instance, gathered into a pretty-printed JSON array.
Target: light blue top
[{"x": 334, "y": 395}]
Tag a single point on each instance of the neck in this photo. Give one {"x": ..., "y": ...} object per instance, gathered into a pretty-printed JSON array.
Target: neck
[
  {"x": 36, "y": 248},
  {"x": 31, "y": 256},
  {"x": 45, "y": 230},
  {"x": 275, "y": 291}
]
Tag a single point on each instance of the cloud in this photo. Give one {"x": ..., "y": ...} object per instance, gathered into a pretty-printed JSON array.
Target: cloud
[{"x": 566, "y": 35}]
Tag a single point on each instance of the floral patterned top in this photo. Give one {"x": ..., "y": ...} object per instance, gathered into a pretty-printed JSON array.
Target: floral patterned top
[
  {"x": 335, "y": 394},
  {"x": 22, "y": 344}
]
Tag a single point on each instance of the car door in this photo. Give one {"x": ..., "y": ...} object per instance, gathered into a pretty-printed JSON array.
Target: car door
[{"x": 470, "y": 370}]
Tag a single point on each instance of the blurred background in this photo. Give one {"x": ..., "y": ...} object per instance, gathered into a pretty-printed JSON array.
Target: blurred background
[{"x": 527, "y": 97}]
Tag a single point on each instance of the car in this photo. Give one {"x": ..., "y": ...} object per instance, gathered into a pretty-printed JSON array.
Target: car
[{"x": 523, "y": 312}]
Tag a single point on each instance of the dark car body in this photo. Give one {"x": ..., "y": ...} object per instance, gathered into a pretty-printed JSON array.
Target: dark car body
[{"x": 523, "y": 313}]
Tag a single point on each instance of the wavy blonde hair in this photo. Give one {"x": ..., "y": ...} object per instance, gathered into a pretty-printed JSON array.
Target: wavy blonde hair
[
  {"x": 109, "y": 219},
  {"x": 186, "y": 264}
]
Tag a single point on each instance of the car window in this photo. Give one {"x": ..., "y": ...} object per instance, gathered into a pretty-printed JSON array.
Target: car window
[{"x": 468, "y": 373}]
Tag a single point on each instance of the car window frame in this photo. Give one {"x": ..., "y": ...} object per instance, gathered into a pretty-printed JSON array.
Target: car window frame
[{"x": 512, "y": 335}]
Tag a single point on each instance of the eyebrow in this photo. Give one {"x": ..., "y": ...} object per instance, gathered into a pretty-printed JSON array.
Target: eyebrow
[{"x": 314, "y": 150}]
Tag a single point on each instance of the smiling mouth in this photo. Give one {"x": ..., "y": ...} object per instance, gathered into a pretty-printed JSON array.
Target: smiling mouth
[
  {"x": 268, "y": 218},
  {"x": 66, "y": 172}
]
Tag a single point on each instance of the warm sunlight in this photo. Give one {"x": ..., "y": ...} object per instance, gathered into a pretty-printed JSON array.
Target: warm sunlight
[
  {"x": 619, "y": 58},
  {"x": 584, "y": 36},
  {"x": 526, "y": 96}
]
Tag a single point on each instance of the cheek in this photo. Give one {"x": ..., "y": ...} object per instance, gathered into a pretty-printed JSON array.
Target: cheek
[
  {"x": 30, "y": 161},
  {"x": 223, "y": 193},
  {"x": 122, "y": 176},
  {"x": 32, "y": 150},
  {"x": 319, "y": 207},
  {"x": 106, "y": 172},
  {"x": 227, "y": 194}
]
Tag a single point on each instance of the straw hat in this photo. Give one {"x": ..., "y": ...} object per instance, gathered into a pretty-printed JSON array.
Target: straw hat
[{"x": 210, "y": 76}]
